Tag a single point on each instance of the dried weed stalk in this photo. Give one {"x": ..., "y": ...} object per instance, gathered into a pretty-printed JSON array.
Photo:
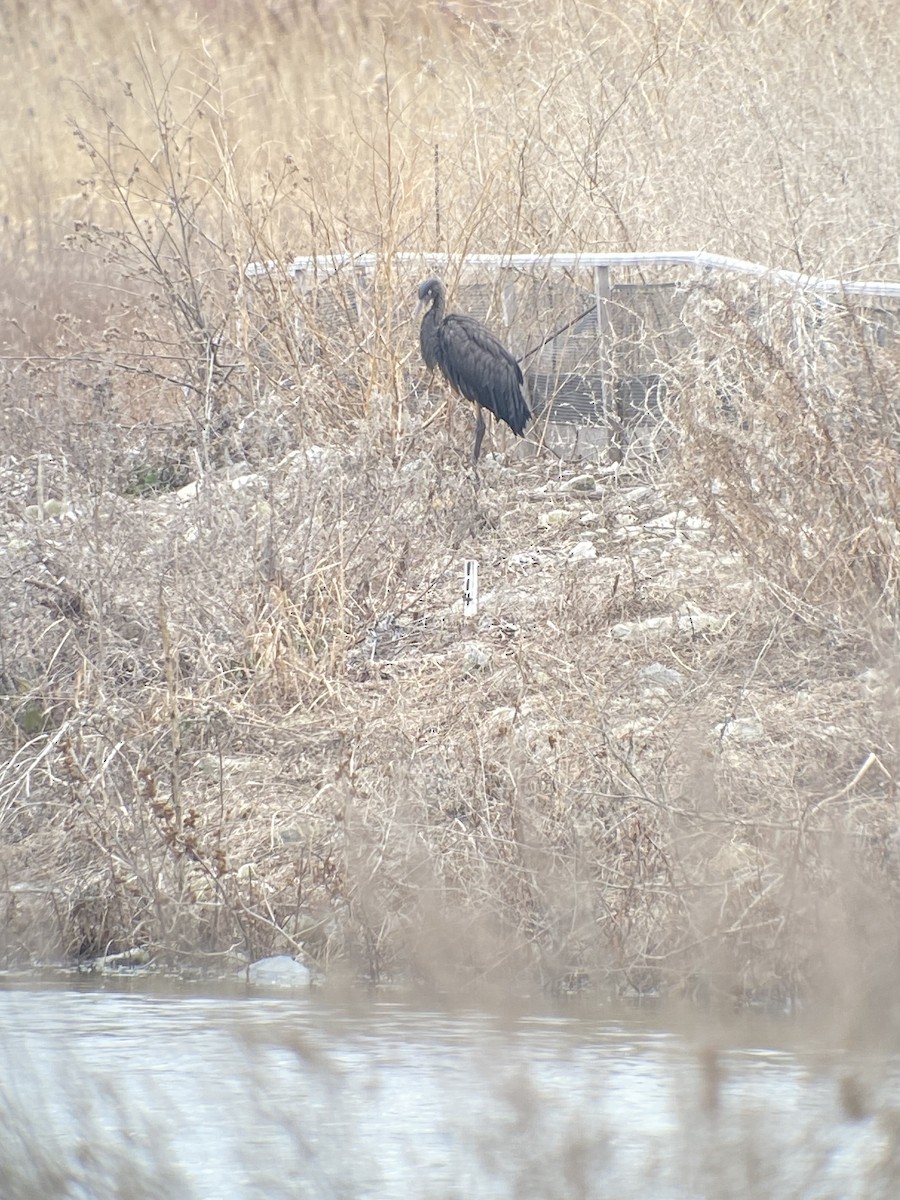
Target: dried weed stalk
[{"x": 249, "y": 715}]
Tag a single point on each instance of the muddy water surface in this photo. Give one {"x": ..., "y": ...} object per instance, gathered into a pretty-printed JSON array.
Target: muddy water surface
[{"x": 144, "y": 1090}]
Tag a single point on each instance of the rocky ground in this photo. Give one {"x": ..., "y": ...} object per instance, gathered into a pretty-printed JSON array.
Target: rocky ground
[{"x": 249, "y": 716}]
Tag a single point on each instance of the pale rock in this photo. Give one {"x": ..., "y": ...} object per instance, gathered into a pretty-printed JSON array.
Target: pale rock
[
  {"x": 582, "y": 483},
  {"x": 582, "y": 552},
  {"x": 657, "y": 675},
  {"x": 556, "y": 516},
  {"x": 746, "y": 730},
  {"x": 280, "y": 970}
]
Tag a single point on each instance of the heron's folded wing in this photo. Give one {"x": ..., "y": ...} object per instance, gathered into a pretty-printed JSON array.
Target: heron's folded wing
[{"x": 480, "y": 367}]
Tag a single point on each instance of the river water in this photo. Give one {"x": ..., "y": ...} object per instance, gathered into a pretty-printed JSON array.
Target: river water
[{"x": 134, "y": 1091}]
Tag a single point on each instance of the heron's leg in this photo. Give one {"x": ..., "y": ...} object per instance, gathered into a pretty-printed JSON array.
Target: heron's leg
[{"x": 479, "y": 432}]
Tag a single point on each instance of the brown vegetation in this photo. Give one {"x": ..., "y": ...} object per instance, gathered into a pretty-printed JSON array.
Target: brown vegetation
[{"x": 251, "y": 715}]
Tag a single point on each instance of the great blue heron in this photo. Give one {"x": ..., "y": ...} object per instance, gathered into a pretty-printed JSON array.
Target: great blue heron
[{"x": 472, "y": 361}]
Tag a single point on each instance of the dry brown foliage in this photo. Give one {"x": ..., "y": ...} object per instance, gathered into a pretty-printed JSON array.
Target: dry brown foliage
[{"x": 251, "y": 715}]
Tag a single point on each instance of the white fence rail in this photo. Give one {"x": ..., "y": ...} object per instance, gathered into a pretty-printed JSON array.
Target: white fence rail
[{"x": 323, "y": 265}]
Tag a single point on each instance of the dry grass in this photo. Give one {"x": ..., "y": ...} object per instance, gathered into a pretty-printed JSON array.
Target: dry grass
[{"x": 253, "y": 716}]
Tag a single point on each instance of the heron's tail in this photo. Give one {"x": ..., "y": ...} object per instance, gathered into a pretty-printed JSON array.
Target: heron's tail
[{"x": 517, "y": 413}]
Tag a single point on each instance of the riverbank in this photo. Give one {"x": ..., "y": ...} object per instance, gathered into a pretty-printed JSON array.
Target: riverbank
[
  {"x": 241, "y": 709},
  {"x": 252, "y": 713}
]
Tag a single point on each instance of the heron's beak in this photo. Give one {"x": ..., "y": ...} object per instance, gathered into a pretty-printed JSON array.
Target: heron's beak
[{"x": 419, "y": 308}]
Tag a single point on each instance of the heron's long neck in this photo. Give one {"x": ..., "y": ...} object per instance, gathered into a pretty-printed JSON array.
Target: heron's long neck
[{"x": 437, "y": 309}]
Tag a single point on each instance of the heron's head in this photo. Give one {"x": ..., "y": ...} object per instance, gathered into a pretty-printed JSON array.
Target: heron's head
[{"x": 431, "y": 291}]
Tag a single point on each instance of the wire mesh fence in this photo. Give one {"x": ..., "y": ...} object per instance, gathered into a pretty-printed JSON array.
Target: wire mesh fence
[{"x": 608, "y": 343}]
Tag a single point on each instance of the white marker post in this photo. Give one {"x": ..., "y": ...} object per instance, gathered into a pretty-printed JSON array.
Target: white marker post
[{"x": 470, "y": 589}]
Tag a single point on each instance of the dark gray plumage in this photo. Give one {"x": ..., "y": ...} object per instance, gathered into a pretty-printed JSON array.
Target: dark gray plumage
[{"x": 472, "y": 361}]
